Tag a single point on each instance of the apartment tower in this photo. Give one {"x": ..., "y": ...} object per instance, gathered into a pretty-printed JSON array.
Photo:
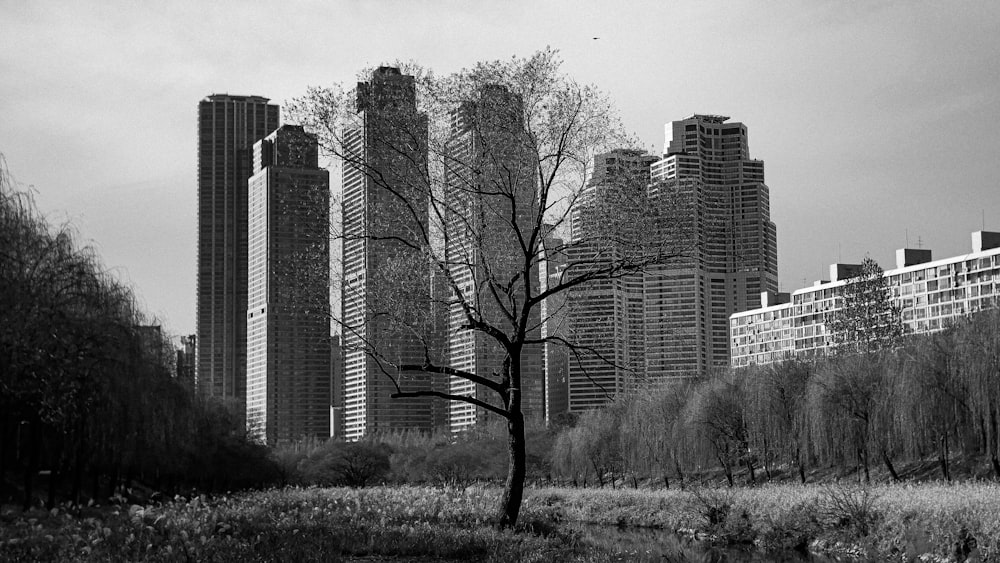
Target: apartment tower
[
  {"x": 288, "y": 314},
  {"x": 606, "y": 315},
  {"x": 228, "y": 126},
  {"x": 555, "y": 325},
  {"x": 386, "y": 286},
  {"x": 688, "y": 304}
]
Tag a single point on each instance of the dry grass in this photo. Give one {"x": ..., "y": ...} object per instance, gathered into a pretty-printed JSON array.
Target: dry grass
[{"x": 936, "y": 522}]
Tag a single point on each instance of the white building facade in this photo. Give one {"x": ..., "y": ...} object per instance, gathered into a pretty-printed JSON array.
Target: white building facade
[{"x": 930, "y": 294}]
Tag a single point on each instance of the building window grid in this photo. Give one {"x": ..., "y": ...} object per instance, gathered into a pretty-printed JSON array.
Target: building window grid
[{"x": 928, "y": 298}]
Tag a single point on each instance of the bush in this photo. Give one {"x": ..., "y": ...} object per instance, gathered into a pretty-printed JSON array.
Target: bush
[
  {"x": 793, "y": 530},
  {"x": 850, "y": 507},
  {"x": 352, "y": 464}
]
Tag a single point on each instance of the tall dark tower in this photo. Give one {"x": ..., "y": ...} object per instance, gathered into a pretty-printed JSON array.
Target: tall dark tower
[
  {"x": 228, "y": 126},
  {"x": 487, "y": 149},
  {"x": 387, "y": 153},
  {"x": 288, "y": 319}
]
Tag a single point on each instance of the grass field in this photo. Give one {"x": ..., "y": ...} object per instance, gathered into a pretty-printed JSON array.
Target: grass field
[{"x": 933, "y": 522}]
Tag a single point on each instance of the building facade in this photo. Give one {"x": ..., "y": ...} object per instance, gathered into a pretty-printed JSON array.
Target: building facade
[
  {"x": 929, "y": 295},
  {"x": 228, "y": 126},
  {"x": 288, "y": 313},
  {"x": 489, "y": 167},
  {"x": 605, "y": 316},
  {"x": 386, "y": 279},
  {"x": 688, "y": 303},
  {"x": 186, "y": 361},
  {"x": 555, "y": 325}
]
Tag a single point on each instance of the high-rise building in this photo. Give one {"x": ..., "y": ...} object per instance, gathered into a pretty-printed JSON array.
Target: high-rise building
[
  {"x": 488, "y": 168},
  {"x": 336, "y": 387},
  {"x": 186, "y": 361},
  {"x": 228, "y": 126},
  {"x": 688, "y": 303},
  {"x": 606, "y": 314},
  {"x": 288, "y": 312},
  {"x": 555, "y": 325},
  {"x": 386, "y": 285}
]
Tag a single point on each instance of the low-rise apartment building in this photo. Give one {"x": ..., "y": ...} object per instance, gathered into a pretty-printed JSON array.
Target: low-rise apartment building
[{"x": 929, "y": 293}]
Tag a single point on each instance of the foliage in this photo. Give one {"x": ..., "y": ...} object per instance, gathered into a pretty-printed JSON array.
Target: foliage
[
  {"x": 903, "y": 521},
  {"x": 931, "y": 401},
  {"x": 87, "y": 385},
  {"x": 351, "y": 464},
  {"x": 851, "y": 507},
  {"x": 868, "y": 319},
  {"x": 952, "y": 522},
  {"x": 289, "y": 524}
]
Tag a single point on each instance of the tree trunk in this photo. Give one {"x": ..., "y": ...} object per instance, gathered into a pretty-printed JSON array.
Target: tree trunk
[
  {"x": 598, "y": 473},
  {"x": 54, "y": 475},
  {"x": 114, "y": 479},
  {"x": 753, "y": 477},
  {"x": 4, "y": 425},
  {"x": 95, "y": 483},
  {"x": 31, "y": 469},
  {"x": 56, "y": 469},
  {"x": 77, "y": 477},
  {"x": 992, "y": 445},
  {"x": 510, "y": 500},
  {"x": 728, "y": 470},
  {"x": 888, "y": 465},
  {"x": 666, "y": 481},
  {"x": 943, "y": 458},
  {"x": 680, "y": 474}
]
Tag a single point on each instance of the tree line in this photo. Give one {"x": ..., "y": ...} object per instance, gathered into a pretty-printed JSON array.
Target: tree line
[
  {"x": 89, "y": 400},
  {"x": 929, "y": 397},
  {"x": 437, "y": 458}
]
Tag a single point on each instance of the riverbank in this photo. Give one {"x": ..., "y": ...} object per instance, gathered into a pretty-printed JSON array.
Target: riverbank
[
  {"x": 934, "y": 521},
  {"x": 943, "y": 522}
]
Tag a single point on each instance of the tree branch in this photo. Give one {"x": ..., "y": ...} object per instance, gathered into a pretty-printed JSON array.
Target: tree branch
[{"x": 450, "y": 397}]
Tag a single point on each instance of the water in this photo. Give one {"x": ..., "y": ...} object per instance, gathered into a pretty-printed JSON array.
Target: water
[{"x": 648, "y": 544}]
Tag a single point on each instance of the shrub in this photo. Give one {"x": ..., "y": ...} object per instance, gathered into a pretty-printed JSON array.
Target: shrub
[
  {"x": 354, "y": 464},
  {"x": 850, "y": 507}
]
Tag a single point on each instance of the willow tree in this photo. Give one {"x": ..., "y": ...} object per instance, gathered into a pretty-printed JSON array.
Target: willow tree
[
  {"x": 978, "y": 363},
  {"x": 450, "y": 186},
  {"x": 867, "y": 323}
]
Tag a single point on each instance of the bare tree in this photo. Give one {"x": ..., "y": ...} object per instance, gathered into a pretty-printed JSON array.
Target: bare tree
[{"x": 468, "y": 184}]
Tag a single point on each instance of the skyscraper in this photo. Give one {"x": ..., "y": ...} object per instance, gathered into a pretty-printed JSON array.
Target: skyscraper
[
  {"x": 288, "y": 314},
  {"x": 606, "y": 315},
  {"x": 488, "y": 170},
  {"x": 186, "y": 361},
  {"x": 228, "y": 126},
  {"x": 386, "y": 286},
  {"x": 553, "y": 309},
  {"x": 688, "y": 304}
]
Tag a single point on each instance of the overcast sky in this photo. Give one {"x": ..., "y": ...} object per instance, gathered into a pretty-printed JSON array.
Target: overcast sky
[{"x": 875, "y": 120}]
